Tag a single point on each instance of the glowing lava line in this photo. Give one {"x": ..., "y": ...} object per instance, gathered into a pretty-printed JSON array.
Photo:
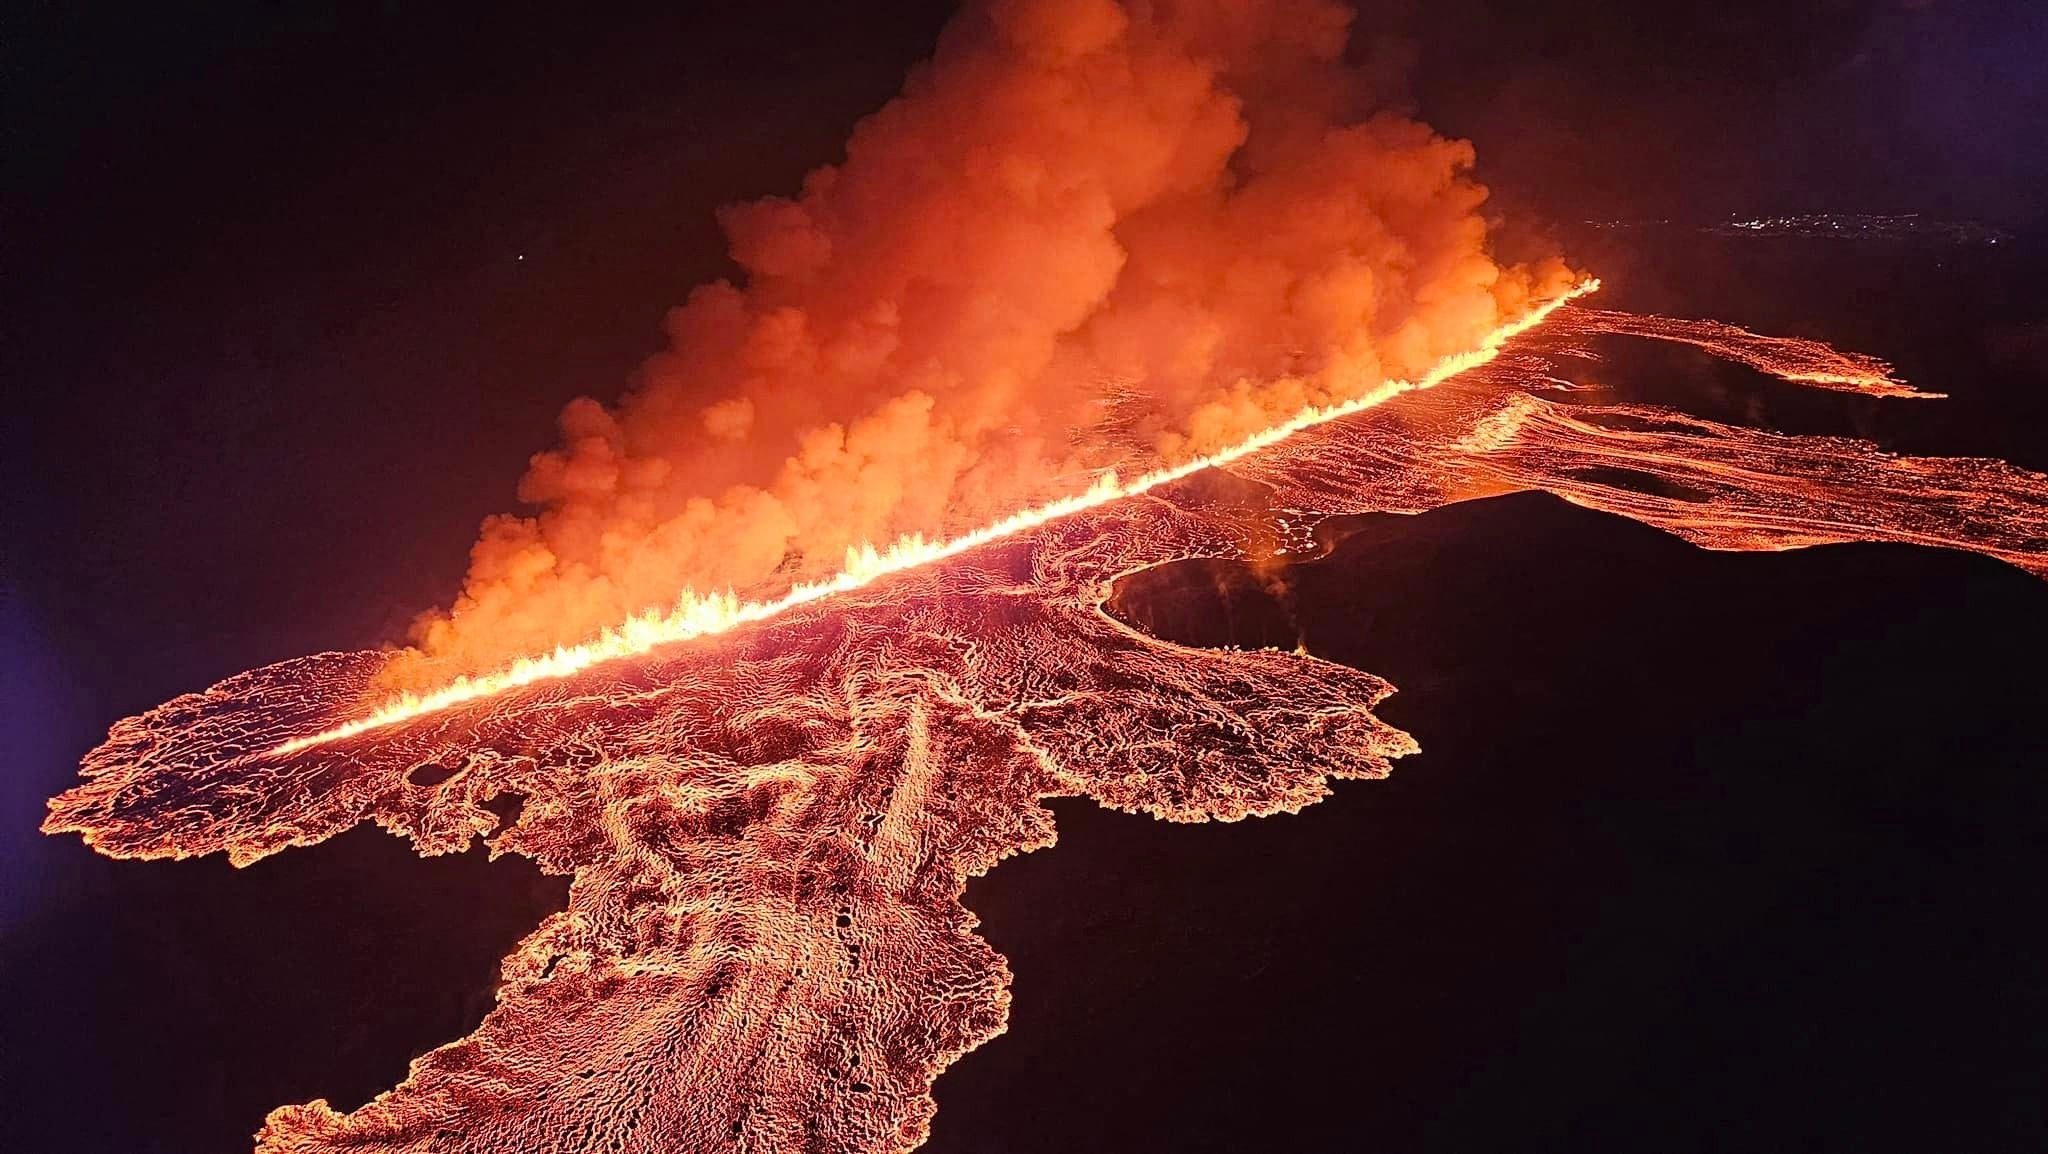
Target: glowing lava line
[
  {"x": 1794, "y": 359},
  {"x": 701, "y": 615}
]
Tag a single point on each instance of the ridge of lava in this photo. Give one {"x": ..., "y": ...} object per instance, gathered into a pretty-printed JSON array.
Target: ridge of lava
[{"x": 769, "y": 833}]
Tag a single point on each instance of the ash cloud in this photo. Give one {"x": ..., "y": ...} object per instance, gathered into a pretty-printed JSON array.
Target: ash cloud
[{"x": 1085, "y": 236}]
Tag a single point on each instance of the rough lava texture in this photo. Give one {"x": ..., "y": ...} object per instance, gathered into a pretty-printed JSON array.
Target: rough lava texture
[{"x": 769, "y": 831}]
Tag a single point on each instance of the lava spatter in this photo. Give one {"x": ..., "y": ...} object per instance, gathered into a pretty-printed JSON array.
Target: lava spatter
[{"x": 769, "y": 828}]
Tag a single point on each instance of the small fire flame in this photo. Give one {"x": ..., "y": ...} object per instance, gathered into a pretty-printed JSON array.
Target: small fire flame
[{"x": 699, "y": 614}]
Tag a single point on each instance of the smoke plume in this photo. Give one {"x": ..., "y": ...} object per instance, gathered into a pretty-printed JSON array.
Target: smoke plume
[{"x": 1086, "y": 236}]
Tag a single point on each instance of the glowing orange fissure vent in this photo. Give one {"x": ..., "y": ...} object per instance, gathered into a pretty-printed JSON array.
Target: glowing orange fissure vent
[{"x": 698, "y": 615}]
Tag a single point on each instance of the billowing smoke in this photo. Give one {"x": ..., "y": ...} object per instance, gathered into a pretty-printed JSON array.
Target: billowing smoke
[{"x": 1086, "y": 235}]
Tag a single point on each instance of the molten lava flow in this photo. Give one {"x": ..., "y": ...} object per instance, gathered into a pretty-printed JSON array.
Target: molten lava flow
[
  {"x": 770, "y": 830},
  {"x": 1205, "y": 202},
  {"x": 698, "y": 615},
  {"x": 1802, "y": 362}
]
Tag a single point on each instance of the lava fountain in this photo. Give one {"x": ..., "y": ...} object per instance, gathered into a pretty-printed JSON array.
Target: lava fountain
[
  {"x": 769, "y": 827},
  {"x": 769, "y": 802},
  {"x": 699, "y": 615}
]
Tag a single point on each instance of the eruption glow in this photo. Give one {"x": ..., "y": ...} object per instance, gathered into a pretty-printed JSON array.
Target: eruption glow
[
  {"x": 699, "y": 615},
  {"x": 1802, "y": 362},
  {"x": 1203, "y": 203},
  {"x": 769, "y": 830}
]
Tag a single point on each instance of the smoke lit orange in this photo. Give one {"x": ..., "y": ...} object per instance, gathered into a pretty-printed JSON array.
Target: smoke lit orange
[
  {"x": 769, "y": 829},
  {"x": 1086, "y": 238},
  {"x": 697, "y": 614}
]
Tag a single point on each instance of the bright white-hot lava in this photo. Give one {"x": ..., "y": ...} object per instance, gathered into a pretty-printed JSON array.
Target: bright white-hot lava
[
  {"x": 698, "y": 614},
  {"x": 1207, "y": 203},
  {"x": 770, "y": 831}
]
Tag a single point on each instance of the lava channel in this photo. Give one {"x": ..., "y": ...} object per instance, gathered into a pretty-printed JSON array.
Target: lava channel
[{"x": 769, "y": 828}]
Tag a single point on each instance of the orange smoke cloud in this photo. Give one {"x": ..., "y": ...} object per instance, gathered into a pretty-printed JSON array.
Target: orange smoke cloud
[{"x": 1087, "y": 235}]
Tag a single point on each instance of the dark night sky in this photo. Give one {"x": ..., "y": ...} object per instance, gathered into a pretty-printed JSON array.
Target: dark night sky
[{"x": 293, "y": 293}]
